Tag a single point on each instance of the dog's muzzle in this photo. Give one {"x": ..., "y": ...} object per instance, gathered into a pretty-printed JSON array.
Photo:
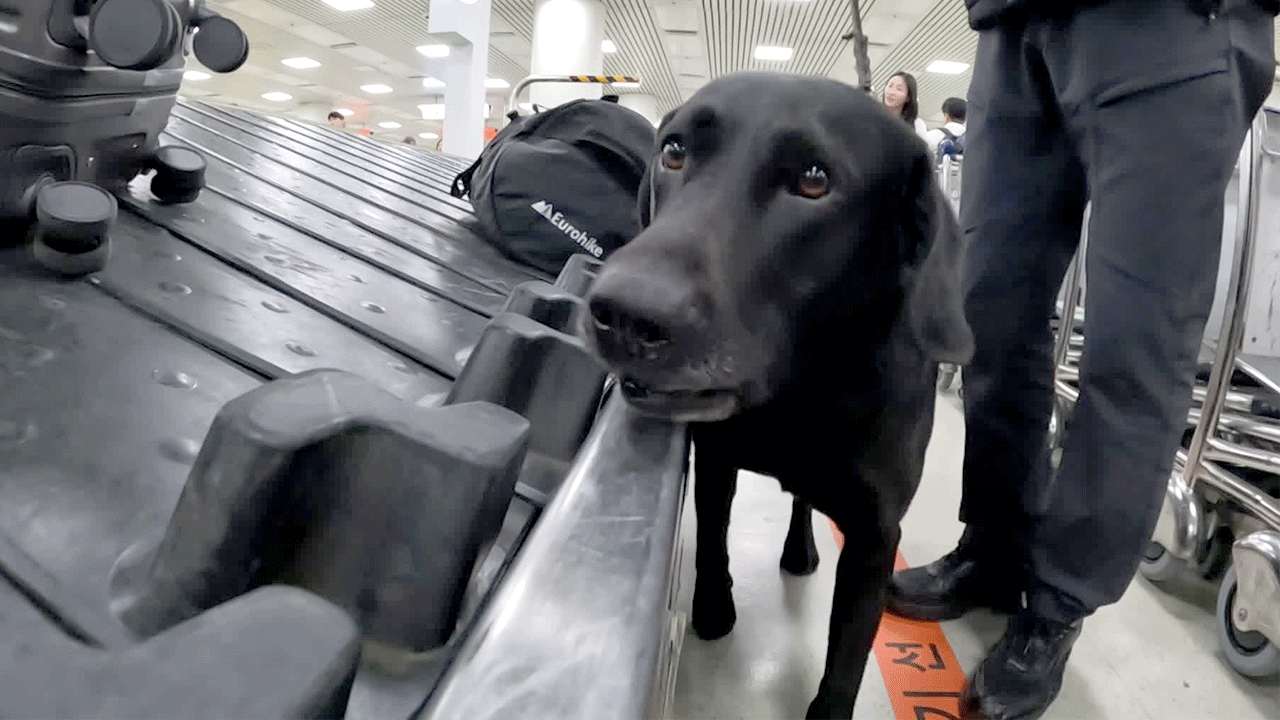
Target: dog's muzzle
[
  {"x": 649, "y": 325},
  {"x": 681, "y": 405}
]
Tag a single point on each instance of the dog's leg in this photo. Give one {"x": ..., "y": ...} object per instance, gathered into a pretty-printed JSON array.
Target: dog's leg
[
  {"x": 799, "y": 552},
  {"x": 714, "y": 483},
  {"x": 862, "y": 579}
]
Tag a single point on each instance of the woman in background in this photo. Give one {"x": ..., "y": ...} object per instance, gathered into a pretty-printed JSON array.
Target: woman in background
[{"x": 900, "y": 96}]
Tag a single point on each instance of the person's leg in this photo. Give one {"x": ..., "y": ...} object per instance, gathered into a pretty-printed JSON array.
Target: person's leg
[
  {"x": 1021, "y": 204},
  {"x": 1159, "y": 155},
  {"x": 1158, "y": 117}
]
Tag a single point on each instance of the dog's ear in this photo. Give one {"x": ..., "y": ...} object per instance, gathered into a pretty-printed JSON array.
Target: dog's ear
[
  {"x": 934, "y": 300},
  {"x": 647, "y": 195}
]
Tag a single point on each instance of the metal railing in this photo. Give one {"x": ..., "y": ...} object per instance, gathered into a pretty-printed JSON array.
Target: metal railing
[{"x": 513, "y": 99}]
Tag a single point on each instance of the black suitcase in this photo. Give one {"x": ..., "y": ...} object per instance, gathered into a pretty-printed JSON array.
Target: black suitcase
[{"x": 86, "y": 86}]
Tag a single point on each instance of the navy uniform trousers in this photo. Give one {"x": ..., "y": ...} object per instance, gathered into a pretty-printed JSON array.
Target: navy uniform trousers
[{"x": 1140, "y": 106}]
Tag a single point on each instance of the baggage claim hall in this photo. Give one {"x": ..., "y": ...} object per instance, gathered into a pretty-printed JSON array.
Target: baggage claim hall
[{"x": 697, "y": 359}]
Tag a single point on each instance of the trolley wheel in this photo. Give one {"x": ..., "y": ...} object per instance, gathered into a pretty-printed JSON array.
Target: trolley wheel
[
  {"x": 1249, "y": 653},
  {"x": 1158, "y": 564},
  {"x": 1216, "y": 555}
]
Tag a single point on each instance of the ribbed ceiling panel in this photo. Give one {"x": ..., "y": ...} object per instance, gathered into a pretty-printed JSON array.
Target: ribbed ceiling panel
[
  {"x": 812, "y": 29},
  {"x": 518, "y": 14},
  {"x": 675, "y": 60},
  {"x": 631, "y": 26},
  {"x": 392, "y": 27},
  {"x": 675, "y": 46}
]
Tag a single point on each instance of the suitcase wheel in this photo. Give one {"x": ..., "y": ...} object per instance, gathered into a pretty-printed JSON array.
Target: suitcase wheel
[
  {"x": 220, "y": 45},
  {"x": 179, "y": 174},
  {"x": 72, "y": 224},
  {"x": 135, "y": 34}
]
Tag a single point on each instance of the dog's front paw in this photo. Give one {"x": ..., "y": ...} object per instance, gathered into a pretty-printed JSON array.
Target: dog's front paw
[
  {"x": 824, "y": 707},
  {"x": 713, "y": 612},
  {"x": 799, "y": 560}
]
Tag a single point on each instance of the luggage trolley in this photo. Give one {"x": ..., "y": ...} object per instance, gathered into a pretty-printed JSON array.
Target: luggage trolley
[{"x": 1221, "y": 512}]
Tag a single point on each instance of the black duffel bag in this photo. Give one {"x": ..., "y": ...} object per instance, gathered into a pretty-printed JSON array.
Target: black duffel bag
[{"x": 559, "y": 182}]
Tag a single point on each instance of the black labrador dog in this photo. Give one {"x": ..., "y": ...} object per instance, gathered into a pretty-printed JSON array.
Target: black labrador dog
[{"x": 791, "y": 295}]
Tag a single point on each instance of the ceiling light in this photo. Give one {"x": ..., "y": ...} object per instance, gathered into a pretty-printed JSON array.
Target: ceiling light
[
  {"x": 375, "y": 89},
  {"x": 389, "y": 125},
  {"x": 428, "y": 136},
  {"x": 773, "y": 52},
  {"x": 626, "y": 84},
  {"x": 276, "y": 96},
  {"x": 946, "y": 67},
  {"x": 195, "y": 75},
  {"x": 430, "y": 82},
  {"x": 434, "y": 51},
  {"x": 496, "y": 83},
  {"x": 348, "y": 5},
  {"x": 608, "y": 46},
  {"x": 344, "y": 112},
  {"x": 300, "y": 63}
]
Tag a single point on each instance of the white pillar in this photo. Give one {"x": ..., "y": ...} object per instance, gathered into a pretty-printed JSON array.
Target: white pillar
[
  {"x": 567, "y": 40},
  {"x": 646, "y": 105},
  {"x": 464, "y": 26}
]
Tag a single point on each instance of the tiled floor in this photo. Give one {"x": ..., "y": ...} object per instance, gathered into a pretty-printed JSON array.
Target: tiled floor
[{"x": 1152, "y": 655}]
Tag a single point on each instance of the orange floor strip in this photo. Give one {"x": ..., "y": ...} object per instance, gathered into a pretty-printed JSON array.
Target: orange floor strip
[{"x": 920, "y": 670}]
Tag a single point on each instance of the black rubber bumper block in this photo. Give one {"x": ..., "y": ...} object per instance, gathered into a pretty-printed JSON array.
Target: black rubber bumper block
[
  {"x": 546, "y": 376},
  {"x": 578, "y": 273},
  {"x": 277, "y": 652},
  {"x": 548, "y": 304},
  {"x": 327, "y": 482}
]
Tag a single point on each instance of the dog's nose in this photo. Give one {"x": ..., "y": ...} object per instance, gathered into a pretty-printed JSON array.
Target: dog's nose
[
  {"x": 638, "y": 318},
  {"x": 611, "y": 318}
]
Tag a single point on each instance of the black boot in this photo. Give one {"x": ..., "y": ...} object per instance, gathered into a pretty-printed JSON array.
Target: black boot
[
  {"x": 974, "y": 575},
  {"x": 1022, "y": 674}
]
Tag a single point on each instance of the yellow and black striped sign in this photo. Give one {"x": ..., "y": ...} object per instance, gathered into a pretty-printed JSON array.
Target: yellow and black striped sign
[{"x": 604, "y": 79}]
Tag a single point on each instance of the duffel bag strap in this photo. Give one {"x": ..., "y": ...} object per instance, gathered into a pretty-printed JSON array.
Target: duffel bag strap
[{"x": 462, "y": 183}]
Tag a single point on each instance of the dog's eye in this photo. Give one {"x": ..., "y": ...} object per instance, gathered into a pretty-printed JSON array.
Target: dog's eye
[
  {"x": 673, "y": 155},
  {"x": 813, "y": 183}
]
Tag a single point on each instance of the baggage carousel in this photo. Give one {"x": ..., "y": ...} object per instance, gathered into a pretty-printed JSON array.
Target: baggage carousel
[{"x": 308, "y": 447}]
